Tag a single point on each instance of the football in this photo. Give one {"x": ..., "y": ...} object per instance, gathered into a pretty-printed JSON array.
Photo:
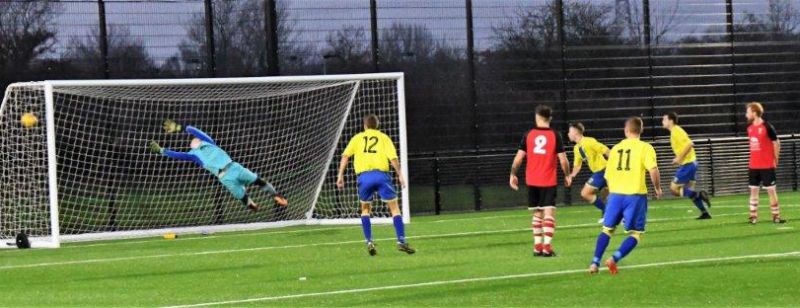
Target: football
[{"x": 29, "y": 120}]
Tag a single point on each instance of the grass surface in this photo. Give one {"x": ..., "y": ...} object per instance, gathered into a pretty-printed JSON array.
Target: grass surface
[{"x": 474, "y": 259}]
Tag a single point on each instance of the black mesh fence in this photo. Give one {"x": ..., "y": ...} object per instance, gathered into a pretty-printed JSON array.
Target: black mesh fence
[{"x": 475, "y": 69}]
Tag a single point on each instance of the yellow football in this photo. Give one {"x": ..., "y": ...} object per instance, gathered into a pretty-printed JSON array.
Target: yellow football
[{"x": 29, "y": 120}]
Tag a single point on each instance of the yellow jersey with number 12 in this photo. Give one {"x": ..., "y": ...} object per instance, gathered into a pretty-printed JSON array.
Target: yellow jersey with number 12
[
  {"x": 372, "y": 150},
  {"x": 628, "y": 165}
]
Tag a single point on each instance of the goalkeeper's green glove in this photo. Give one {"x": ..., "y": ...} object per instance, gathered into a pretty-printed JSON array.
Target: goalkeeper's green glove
[
  {"x": 171, "y": 126},
  {"x": 155, "y": 148}
]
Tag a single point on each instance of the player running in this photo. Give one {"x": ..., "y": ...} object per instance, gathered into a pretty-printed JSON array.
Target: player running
[
  {"x": 765, "y": 150},
  {"x": 594, "y": 153},
  {"x": 630, "y": 160},
  {"x": 542, "y": 146},
  {"x": 373, "y": 151},
  {"x": 208, "y": 155},
  {"x": 685, "y": 158}
]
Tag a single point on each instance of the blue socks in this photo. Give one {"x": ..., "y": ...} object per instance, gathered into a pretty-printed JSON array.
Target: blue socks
[
  {"x": 598, "y": 203},
  {"x": 627, "y": 246},
  {"x": 688, "y": 193},
  {"x": 600, "y": 248},
  {"x": 399, "y": 228},
  {"x": 366, "y": 225}
]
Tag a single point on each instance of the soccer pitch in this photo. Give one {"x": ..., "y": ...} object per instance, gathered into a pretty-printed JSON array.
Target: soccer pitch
[{"x": 474, "y": 259}]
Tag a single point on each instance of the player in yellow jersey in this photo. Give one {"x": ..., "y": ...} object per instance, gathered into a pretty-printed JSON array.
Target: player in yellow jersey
[
  {"x": 628, "y": 163},
  {"x": 594, "y": 153},
  {"x": 373, "y": 151},
  {"x": 685, "y": 158}
]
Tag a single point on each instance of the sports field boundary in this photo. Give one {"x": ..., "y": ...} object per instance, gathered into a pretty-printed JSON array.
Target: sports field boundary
[
  {"x": 265, "y": 248},
  {"x": 489, "y": 278}
]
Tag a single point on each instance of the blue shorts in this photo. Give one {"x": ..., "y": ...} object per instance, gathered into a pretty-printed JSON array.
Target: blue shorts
[
  {"x": 236, "y": 179},
  {"x": 633, "y": 208},
  {"x": 598, "y": 180},
  {"x": 370, "y": 182},
  {"x": 686, "y": 173}
]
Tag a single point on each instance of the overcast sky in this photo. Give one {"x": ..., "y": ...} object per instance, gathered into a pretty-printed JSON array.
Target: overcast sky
[{"x": 162, "y": 24}]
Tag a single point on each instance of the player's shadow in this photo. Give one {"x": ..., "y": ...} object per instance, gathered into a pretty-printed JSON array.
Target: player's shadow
[{"x": 96, "y": 278}]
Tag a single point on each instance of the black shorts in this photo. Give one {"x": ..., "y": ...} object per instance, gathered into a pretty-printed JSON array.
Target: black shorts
[
  {"x": 762, "y": 177},
  {"x": 541, "y": 197}
]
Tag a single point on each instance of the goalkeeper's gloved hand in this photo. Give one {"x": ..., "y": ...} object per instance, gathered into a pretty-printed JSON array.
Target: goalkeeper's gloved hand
[
  {"x": 171, "y": 126},
  {"x": 155, "y": 148}
]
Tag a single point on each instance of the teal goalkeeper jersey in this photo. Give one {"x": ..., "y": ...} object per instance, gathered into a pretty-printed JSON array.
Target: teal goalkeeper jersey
[{"x": 212, "y": 157}]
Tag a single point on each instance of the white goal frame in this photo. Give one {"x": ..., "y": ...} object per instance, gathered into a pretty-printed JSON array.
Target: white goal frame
[{"x": 55, "y": 238}]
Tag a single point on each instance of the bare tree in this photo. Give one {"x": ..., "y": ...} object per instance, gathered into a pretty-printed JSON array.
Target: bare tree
[
  {"x": 127, "y": 55},
  {"x": 26, "y": 33},
  {"x": 240, "y": 41}
]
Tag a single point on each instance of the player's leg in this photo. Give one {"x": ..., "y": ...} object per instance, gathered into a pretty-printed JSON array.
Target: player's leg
[
  {"x": 536, "y": 221},
  {"x": 238, "y": 191},
  {"x": 635, "y": 214},
  {"x": 388, "y": 194},
  {"x": 591, "y": 192},
  {"x": 679, "y": 186},
  {"x": 754, "y": 179},
  {"x": 611, "y": 219},
  {"x": 547, "y": 202},
  {"x": 366, "y": 227},
  {"x": 772, "y": 191},
  {"x": 247, "y": 178}
]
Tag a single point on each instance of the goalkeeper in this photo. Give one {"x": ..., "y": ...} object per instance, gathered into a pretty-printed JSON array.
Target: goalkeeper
[{"x": 207, "y": 154}]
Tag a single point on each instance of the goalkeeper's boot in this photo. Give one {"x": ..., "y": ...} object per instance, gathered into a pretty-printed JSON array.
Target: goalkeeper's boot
[
  {"x": 371, "y": 249},
  {"x": 778, "y": 220},
  {"x": 593, "y": 269},
  {"x": 612, "y": 266},
  {"x": 405, "y": 248},
  {"x": 280, "y": 200},
  {"x": 703, "y": 195},
  {"x": 705, "y": 215}
]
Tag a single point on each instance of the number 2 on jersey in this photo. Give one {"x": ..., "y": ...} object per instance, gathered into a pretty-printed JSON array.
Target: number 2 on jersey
[
  {"x": 540, "y": 142},
  {"x": 627, "y": 162},
  {"x": 370, "y": 148}
]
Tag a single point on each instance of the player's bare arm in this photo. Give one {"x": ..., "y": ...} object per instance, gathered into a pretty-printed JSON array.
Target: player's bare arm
[
  {"x": 400, "y": 178},
  {"x": 655, "y": 177},
  {"x": 513, "y": 181},
  {"x": 777, "y": 147},
  {"x": 342, "y": 167},
  {"x": 562, "y": 158},
  {"x": 576, "y": 169}
]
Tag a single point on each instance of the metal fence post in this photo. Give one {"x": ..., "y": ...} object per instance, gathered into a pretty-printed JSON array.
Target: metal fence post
[
  {"x": 101, "y": 12},
  {"x": 473, "y": 98},
  {"x": 373, "y": 26},
  {"x": 729, "y": 28},
  {"x": 648, "y": 43},
  {"x": 437, "y": 196},
  {"x": 794, "y": 162},
  {"x": 210, "y": 50},
  {"x": 271, "y": 32},
  {"x": 711, "y": 166}
]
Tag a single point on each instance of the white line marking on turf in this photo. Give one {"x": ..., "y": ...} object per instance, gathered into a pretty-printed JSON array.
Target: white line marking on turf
[
  {"x": 490, "y": 278},
  {"x": 180, "y": 239},
  {"x": 214, "y": 252}
]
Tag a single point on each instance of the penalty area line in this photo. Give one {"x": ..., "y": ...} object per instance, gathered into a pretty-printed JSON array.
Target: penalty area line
[{"x": 490, "y": 278}]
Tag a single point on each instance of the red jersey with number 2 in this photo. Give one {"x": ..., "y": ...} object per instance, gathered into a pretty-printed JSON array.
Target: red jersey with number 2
[
  {"x": 762, "y": 151},
  {"x": 541, "y": 146}
]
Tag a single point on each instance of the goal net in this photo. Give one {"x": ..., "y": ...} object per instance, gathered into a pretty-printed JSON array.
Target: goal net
[{"x": 84, "y": 172}]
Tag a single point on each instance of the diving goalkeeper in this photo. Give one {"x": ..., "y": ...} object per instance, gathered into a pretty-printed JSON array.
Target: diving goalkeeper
[{"x": 207, "y": 154}]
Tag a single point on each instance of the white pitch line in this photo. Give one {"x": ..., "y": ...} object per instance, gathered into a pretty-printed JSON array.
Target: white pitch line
[
  {"x": 80, "y": 245},
  {"x": 483, "y": 279},
  {"x": 214, "y": 252}
]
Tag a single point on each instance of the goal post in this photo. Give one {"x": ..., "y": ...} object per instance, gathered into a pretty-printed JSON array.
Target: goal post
[{"x": 83, "y": 172}]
